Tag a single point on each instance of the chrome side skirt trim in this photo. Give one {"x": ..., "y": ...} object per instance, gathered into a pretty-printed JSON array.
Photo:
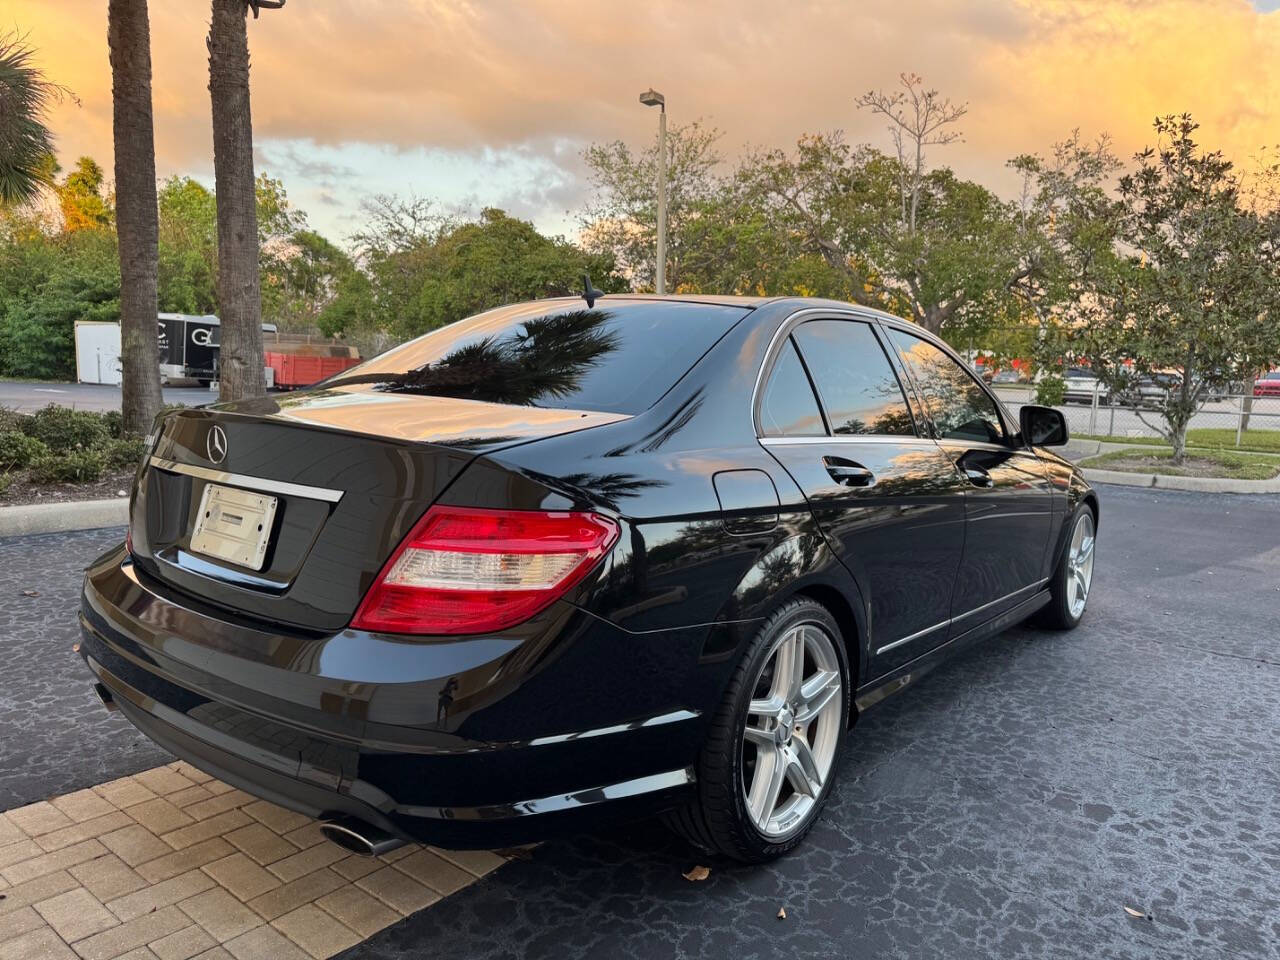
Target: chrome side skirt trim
[
  {"x": 565, "y": 801},
  {"x": 248, "y": 483},
  {"x": 915, "y": 636},
  {"x": 964, "y": 616},
  {"x": 674, "y": 716}
]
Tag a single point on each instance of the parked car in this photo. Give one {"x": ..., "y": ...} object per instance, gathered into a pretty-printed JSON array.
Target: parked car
[
  {"x": 565, "y": 561},
  {"x": 1009, "y": 377},
  {"x": 1267, "y": 385},
  {"x": 1151, "y": 390},
  {"x": 1081, "y": 385}
]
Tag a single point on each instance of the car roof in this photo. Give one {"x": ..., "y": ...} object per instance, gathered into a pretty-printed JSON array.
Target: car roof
[{"x": 751, "y": 303}]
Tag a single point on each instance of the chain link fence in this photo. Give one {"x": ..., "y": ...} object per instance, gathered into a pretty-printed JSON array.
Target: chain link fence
[{"x": 1227, "y": 420}]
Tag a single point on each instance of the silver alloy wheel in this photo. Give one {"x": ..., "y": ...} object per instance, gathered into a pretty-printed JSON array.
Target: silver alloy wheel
[
  {"x": 1080, "y": 564},
  {"x": 793, "y": 727}
]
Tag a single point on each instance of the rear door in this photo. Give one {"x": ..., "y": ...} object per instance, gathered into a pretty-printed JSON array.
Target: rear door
[
  {"x": 1010, "y": 500},
  {"x": 890, "y": 502}
]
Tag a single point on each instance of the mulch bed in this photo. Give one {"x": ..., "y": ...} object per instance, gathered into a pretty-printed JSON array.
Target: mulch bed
[{"x": 113, "y": 484}]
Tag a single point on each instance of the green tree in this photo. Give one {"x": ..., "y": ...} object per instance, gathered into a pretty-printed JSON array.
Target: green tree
[
  {"x": 424, "y": 271},
  {"x": 188, "y": 259},
  {"x": 1196, "y": 289},
  {"x": 621, "y": 220},
  {"x": 26, "y": 145},
  {"x": 48, "y": 281},
  {"x": 304, "y": 280},
  {"x": 81, "y": 198}
]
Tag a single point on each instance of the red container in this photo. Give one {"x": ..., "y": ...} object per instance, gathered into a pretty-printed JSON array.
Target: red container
[{"x": 293, "y": 371}]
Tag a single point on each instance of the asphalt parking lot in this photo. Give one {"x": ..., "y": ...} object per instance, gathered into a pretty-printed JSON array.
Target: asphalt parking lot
[{"x": 1012, "y": 804}]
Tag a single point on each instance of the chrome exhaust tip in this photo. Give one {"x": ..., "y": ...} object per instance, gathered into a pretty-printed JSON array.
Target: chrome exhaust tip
[{"x": 359, "y": 837}]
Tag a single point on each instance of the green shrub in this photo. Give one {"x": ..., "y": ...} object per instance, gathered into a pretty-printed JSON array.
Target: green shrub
[
  {"x": 13, "y": 420},
  {"x": 19, "y": 450},
  {"x": 124, "y": 452},
  {"x": 73, "y": 466},
  {"x": 5, "y": 480},
  {"x": 114, "y": 422},
  {"x": 63, "y": 429},
  {"x": 1051, "y": 391}
]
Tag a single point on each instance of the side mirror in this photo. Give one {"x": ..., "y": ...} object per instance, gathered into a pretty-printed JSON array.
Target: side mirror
[{"x": 1042, "y": 426}]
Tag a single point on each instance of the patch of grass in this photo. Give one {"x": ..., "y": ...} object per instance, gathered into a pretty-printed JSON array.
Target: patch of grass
[
  {"x": 1199, "y": 463},
  {"x": 1210, "y": 438}
]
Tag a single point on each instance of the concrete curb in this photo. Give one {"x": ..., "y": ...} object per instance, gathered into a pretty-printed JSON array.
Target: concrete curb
[
  {"x": 29, "y": 518},
  {"x": 1162, "y": 481}
]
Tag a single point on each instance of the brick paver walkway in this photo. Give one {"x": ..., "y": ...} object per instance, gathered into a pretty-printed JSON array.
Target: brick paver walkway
[{"x": 171, "y": 864}]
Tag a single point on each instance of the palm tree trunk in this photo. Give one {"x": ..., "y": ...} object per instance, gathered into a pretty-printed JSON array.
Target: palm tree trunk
[
  {"x": 137, "y": 228},
  {"x": 239, "y": 294}
]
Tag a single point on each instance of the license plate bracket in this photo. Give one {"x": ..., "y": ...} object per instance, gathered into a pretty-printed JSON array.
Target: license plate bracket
[{"x": 234, "y": 525}]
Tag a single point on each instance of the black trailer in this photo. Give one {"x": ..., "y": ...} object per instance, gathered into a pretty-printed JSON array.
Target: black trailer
[{"x": 189, "y": 346}]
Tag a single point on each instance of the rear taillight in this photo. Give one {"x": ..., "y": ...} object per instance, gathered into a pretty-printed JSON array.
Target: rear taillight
[{"x": 463, "y": 570}]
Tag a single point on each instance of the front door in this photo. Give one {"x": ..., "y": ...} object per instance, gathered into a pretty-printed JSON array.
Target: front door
[
  {"x": 1010, "y": 499},
  {"x": 888, "y": 499}
]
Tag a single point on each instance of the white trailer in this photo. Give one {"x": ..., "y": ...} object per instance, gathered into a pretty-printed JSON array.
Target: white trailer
[{"x": 97, "y": 352}]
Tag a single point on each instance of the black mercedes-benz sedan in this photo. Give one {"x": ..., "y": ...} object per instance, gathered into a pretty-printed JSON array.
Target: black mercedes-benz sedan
[{"x": 580, "y": 558}]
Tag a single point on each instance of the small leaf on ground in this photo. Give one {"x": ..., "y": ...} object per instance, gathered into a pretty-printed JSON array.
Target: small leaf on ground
[
  {"x": 782, "y": 913},
  {"x": 1138, "y": 914},
  {"x": 31, "y": 593},
  {"x": 698, "y": 873}
]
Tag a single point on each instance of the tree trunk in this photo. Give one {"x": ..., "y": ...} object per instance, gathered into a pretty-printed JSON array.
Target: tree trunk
[
  {"x": 1179, "y": 439},
  {"x": 239, "y": 295},
  {"x": 137, "y": 228}
]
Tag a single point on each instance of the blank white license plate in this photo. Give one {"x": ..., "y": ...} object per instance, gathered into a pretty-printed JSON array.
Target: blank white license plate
[{"x": 233, "y": 525}]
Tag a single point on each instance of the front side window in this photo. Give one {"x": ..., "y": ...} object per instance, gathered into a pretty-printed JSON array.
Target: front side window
[
  {"x": 859, "y": 389},
  {"x": 960, "y": 408},
  {"x": 788, "y": 407}
]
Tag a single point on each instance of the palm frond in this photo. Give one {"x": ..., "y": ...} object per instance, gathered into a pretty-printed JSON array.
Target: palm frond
[{"x": 26, "y": 144}]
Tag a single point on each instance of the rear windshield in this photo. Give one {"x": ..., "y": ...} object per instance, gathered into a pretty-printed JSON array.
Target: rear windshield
[{"x": 618, "y": 357}]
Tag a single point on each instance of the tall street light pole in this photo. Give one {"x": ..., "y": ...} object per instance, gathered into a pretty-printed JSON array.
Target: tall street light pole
[{"x": 652, "y": 98}]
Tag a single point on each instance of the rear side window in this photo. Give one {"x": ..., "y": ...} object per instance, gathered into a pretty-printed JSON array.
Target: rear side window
[
  {"x": 960, "y": 408},
  {"x": 859, "y": 389},
  {"x": 788, "y": 407},
  {"x": 619, "y": 357}
]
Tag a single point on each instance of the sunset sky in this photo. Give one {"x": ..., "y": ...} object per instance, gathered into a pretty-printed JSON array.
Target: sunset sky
[{"x": 487, "y": 103}]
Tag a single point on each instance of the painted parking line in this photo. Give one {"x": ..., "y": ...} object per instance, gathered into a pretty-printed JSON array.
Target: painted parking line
[{"x": 172, "y": 864}]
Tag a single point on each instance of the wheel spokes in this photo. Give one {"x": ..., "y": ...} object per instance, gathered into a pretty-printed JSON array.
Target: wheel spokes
[
  {"x": 788, "y": 667},
  {"x": 802, "y": 770},
  {"x": 770, "y": 773},
  {"x": 815, "y": 694}
]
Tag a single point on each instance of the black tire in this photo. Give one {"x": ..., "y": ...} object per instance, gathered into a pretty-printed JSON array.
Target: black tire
[
  {"x": 1057, "y": 613},
  {"x": 717, "y": 819}
]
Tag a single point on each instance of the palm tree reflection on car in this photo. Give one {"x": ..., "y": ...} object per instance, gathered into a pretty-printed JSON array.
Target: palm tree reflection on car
[{"x": 545, "y": 360}]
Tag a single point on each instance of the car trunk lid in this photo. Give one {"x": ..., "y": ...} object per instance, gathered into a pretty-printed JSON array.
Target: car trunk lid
[{"x": 345, "y": 473}]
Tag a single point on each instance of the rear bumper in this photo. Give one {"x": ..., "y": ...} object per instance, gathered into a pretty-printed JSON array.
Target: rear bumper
[{"x": 461, "y": 744}]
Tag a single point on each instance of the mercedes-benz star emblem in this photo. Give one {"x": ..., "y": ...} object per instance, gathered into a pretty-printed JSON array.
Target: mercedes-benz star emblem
[{"x": 215, "y": 444}]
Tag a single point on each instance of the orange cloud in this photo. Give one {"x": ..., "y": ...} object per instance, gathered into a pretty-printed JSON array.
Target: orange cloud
[{"x": 460, "y": 76}]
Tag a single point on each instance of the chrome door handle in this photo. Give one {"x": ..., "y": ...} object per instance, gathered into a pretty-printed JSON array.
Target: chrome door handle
[
  {"x": 848, "y": 473},
  {"x": 979, "y": 477}
]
